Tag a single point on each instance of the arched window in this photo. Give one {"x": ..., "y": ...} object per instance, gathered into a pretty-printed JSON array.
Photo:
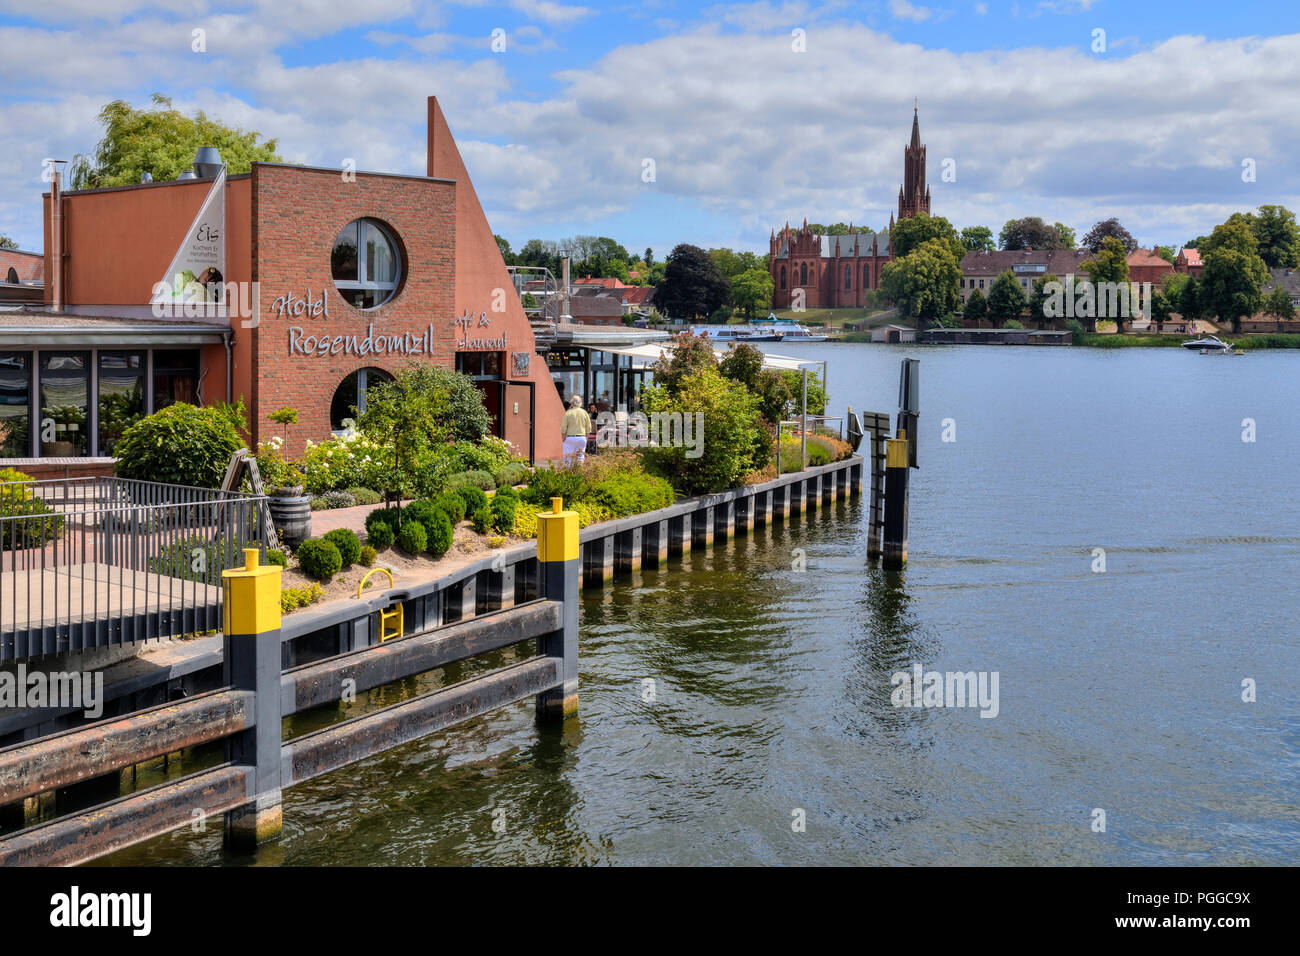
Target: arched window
[
  {"x": 803, "y": 273},
  {"x": 12, "y": 276},
  {"x": 866, "y": 277},
  {"x": 848, "y": 277},
  {"x": 783, "y": 277},
  {"x": 350, "y": 397}
]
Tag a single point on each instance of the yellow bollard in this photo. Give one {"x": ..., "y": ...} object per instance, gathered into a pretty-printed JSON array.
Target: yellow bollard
[{"x": 558, "y": 574}]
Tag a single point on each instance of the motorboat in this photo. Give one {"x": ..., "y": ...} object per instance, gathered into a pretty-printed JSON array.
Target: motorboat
[
  {"x": 784, "y": 330},
  {"x": 1208, "y": 343}
]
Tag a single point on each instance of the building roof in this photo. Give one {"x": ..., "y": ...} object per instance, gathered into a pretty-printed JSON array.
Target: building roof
[
  {"x": 1147, "y": 257},
  {"x": 638, "y": 295},
  {"x": 1288, "y": 279},
  {"x": 1190, "y": 256},
  {"x": 41, "y": 326},
  {"x": 605, "y": 282},
  {"x": 595, "y": 306},
  {"x": 1030, "y": 261},
  {"x": 843, "y": 245}
]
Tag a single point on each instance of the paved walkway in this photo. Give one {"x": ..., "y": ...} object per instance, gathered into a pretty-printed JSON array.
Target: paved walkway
[{"x": 353, "y": 518}]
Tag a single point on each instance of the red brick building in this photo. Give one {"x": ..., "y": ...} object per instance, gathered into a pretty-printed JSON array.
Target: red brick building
[
  {"x": 335, "y": 279},
  {"x": 1146, "y": 265},
  {"x": 1189, "y": 261},
  {"x": 18, "y": 266},
  {"x": 838, "y": 271}
]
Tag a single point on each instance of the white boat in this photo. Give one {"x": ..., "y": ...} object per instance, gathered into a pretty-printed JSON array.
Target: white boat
[
  {"x": 724, "y": 333},
  {"x": 1208, "y": 343},
  {"x": 785, "y": 330}
]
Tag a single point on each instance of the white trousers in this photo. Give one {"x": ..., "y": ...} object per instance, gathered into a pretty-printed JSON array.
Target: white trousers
[{"x": 575, "y": 445}]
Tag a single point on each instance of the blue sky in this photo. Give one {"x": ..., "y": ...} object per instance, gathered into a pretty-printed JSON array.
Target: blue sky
[{"x": 744, "y": 129}]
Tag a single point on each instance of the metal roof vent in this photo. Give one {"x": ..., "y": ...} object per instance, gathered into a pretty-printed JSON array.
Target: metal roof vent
[
  {"x": 146, "y": 177},
  {"x": 188, "y": 174},
  {"x": 207, "y": 162}
]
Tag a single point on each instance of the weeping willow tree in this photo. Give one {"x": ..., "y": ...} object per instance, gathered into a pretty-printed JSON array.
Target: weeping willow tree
[{"x": 162, "y": 141}]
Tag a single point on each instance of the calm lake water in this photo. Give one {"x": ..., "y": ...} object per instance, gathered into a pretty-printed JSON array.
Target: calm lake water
[{"x": 1119, "y": 690}]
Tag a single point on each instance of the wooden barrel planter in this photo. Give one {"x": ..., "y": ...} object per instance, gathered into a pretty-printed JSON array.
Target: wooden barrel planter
[{"x": 291, "y": 517}]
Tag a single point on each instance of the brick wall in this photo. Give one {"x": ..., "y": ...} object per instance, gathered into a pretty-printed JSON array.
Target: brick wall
[
  {"x": 30, "y": 266},
  {"x": 297, "y": 215}
]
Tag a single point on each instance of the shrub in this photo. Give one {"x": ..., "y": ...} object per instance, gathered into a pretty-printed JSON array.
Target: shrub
[
  {"x": 276, "y": 556},
  {"x": 526, "y": 519},
  {"x": 8, "y": 491},
  {"x": 727, "y": 415},
  {"x": 1075, "y": 328},
  {"x": 631, "y": 493},
  {"x": 482, "y": 520},
  {"x": 364, "y": 496},
  {"x": 548, "y": 483},
  {"x": 342, "y": 462},
  {"x": 440, "y": 534},
  {"x": 182, "y": 445},
  {"x": 412, "y": 538},
  {"x": 473, "y": 497},
  {"x": 319, "y": 558},
  {"x": 349, "y": 545},
  {"x": 318, "y": 503},
  {"x": 818, "y": 453},
  {"x": 381, "y": 535},
  {"x": 421, "y": 511},
  {"x": 392, "y": 517},
  {"x": 512, "y": 473},
  {"x": 589, "y": 513},
  {"x": 368, "y": 556},
  {"x": 292, "y": 598},
  {"x": 37, "y": 523},
  {"x": 339, "y": 499},
  {"x": 476, "y": 478},
  {"x": 503, "y": 506},
  {"x": 453, "y": 505},
  {"x": 496, "y": 541}
]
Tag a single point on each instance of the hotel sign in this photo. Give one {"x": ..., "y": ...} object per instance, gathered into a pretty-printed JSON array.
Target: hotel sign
[{"x": 398, "y": 343}]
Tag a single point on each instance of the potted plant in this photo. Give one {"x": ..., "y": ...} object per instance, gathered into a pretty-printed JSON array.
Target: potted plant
[{"x": 290, "y": 508}]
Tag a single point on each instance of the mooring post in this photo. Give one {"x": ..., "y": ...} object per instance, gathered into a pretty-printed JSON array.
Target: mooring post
[
  {"x": 897, "y": 464},
  {"x": 559, "y": 571},
  {"x": 251, "y": 661}
]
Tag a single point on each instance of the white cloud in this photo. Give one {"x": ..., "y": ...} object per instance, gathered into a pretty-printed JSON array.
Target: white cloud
[{"x": 907, "y": 11}]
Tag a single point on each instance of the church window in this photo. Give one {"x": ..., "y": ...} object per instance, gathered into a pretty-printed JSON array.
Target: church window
[
  {"x": 848, "y": 277},
  {"x": 803, "y": 273},
  {"x": 783, "y": 277},
  {"x": 866, "y": 277}
]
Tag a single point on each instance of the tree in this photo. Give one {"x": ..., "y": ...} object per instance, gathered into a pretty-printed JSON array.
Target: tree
[
  {"x": 1187, "y": 302},
  {"x": 422, "y": 408},
  {"x": 1038, "y": 297},
  {"x": 692, "y": 285},
  {"x": 1233, "y": 273},
  {"x": 1278, "y": 304},
  {"x": 1006, "y": 299},
  {"x": 1168, "y": 253},
  {"x": 7, "y": 243},
  {"x": 504, "y": 245},
  {"x": 924, "y": 283},
  {"x": 977, "y": 307},
  {"x": 752, "y": 290},
  {"x": 649, "y": 257},
  {"x": 978, "y": 239},
  {"x": 1278, "y": 236},
  {"x": 1108, "y": 229},
  {"x": 732, "y": 264},
  {"x": 1108, "y": 270},
  {"x": 911, "y": 232},
  {"x": 1029, "y": 233},
  {"x": 1162, "y": 307},
  {"x": 1068, "y": 240},
  {"x": 162, "y": 141}
]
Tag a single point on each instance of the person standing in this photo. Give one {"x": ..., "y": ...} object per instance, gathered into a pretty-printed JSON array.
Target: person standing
[{"x": 575, "y": 427}]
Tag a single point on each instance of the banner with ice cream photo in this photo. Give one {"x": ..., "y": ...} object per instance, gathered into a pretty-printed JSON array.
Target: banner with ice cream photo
[{"x": 197, "y": 273}]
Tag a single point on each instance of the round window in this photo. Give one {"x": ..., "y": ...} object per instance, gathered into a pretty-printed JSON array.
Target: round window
[{"x": 366, "y": 263}]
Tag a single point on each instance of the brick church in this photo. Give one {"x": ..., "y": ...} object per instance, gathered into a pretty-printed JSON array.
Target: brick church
[{"x": 835, "y": 271}]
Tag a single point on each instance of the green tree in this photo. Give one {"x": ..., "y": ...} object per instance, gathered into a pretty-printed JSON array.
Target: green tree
[
  {"x": 1278, "y": 237},
  {"x": 1067, "y": 235},
  {"x": 911, "y": 232},
  {"x": 1006, "y": 299},
  {"x": 752, "y": 290},
  {"x": 649, "y": 257},
  {"x": 1029, "y": 233},
  {"x": 504, "y": 245},
  {"x": 7, "y": 243},
  {"x": 1038, "y": 297},
  {"x": 1162, "y": 308},
  {"x": 1109, "y": 268},
  {"x": 978, "y": 239},
  {"x": 162, "y": 141},
  {"x": 1168, "y": 253},
  {"x": 1278, "y": 304},
  {"x": 689, "y": 354},
  {"x": 924, "y": 283},
  {"x": 977, "y": 307},
  {"x": 424, "y": 407},
  {"x": 1233, "y": 273},
  {"x": 692, "y": 285},
  {"x": 1187, "y": 301},
  {"x": 732, "y": 425}
]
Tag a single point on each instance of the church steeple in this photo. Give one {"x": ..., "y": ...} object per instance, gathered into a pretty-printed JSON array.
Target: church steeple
[{"x": 914, "y": 195}]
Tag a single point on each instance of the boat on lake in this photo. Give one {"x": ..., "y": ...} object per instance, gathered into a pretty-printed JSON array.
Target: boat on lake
[
  {"x": 782, "y": 330},
  {"x": 1208, "y": 343}
]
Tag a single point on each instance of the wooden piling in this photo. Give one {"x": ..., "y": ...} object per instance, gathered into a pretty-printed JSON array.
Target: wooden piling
[{"x": 897, "y": 466}]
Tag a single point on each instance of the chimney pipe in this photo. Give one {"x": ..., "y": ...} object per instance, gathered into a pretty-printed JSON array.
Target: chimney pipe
[
  {"x": 207, "y": 162},
  {"x": 56, "y": 241},
  {"x": 565, "y": 315}
]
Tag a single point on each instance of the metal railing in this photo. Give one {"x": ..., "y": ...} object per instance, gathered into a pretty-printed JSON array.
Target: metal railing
[
  {"x": 544, "y": 314},
  {"x": 92, "y": 562}
]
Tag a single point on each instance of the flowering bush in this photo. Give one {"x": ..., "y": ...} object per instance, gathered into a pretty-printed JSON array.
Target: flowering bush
[{"x": 343, "y": 462}]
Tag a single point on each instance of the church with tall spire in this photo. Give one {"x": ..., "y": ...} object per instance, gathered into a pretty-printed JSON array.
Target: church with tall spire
[{"x": 838, "y": 271}]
